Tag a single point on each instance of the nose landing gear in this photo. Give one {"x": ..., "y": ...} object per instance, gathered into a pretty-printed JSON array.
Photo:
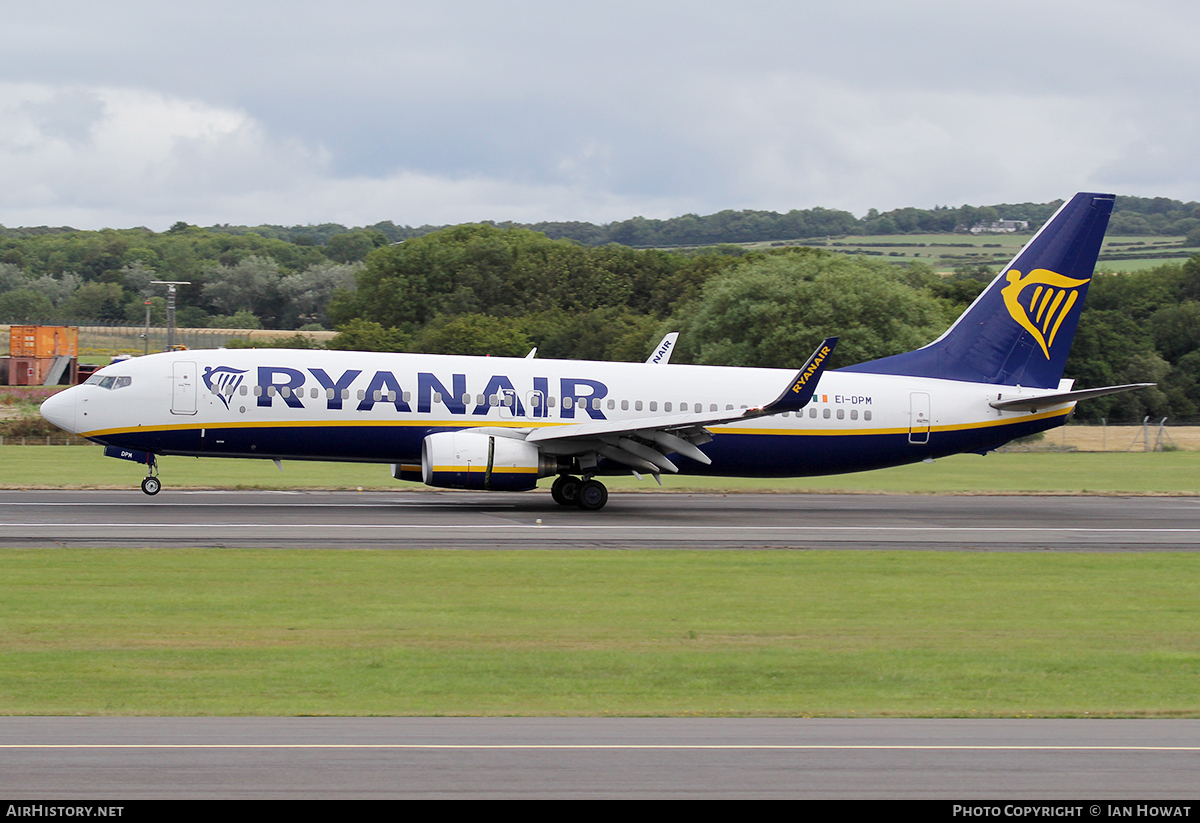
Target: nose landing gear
[{"x": 151, "y": 485}]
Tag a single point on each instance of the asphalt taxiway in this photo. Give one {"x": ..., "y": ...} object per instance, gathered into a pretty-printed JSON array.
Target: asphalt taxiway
[
  {"x": 332, "y": 758},
  {"x": 409, "y": 520}
]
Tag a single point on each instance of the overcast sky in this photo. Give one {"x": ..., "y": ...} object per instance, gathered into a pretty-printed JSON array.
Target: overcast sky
[{"x": 144, "y": 113}]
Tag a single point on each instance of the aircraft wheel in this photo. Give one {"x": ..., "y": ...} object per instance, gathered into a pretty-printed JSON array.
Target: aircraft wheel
[
  {"x": 151, "y": 485},
  {"x": 565, "y": 490},
  {"x": 592, "y": 496}
]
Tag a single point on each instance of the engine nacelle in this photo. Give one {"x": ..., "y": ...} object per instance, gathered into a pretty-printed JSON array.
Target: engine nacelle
[{"x": 468, "y": 460}]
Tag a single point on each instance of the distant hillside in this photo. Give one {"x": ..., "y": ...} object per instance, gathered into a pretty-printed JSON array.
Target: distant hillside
[{"x": 1137, "y": 216}]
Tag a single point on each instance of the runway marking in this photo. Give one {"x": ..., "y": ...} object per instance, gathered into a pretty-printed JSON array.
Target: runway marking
[
  {"x": 603, "y": 746},
  {"x": 591, "y": 528},
  {"x": 388, "y": 505}
]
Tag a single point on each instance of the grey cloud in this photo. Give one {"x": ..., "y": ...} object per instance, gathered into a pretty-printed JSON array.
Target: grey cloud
[{"x": 627, "y": 105}]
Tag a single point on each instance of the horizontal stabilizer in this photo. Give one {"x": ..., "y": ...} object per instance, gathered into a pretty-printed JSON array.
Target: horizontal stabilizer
[{"x": 1045, "y": 401}]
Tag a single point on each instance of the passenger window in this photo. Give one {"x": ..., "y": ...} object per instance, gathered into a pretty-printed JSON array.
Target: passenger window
[
  {"x": 612, "y": 404},
  {"x": 329, "y": 394},
  {"x": 346, "y": 394},
  {"x": 713, "y": 407},
  {"x": 407, "y": 396},
  {"x": 637, "y": 405},
  {"x": 866, "y": 415},
  {"x": 841, "y": 414},
  {"x": 271, "y": 391},
  {"x": 812, "y": 412},
  {"x": 624, "y": 405},
  {"x": 854, "y": 414},
  {"x": 596, "y": 403},
  {"x": 654, "y": 405},
  {"x": 479, "y": 400},
  {"x": 825, "y": 414},
  {"x": 728, "y": 407},
  {"x": 508, "y": 400},
  {"x": 550, "y": 401},
  {"x": 568, "y": 402},
  {"x": 361, "y": 394},
  {"x": 494, "y": 400},
  {"x": 242, "y": 391}
]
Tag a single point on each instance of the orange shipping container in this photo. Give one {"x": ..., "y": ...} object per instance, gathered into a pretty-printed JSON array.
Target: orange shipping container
[{"x": 44, "y": 341}]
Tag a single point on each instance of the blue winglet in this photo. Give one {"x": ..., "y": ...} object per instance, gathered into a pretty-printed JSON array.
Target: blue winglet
[{"x": 800, "y": 390}]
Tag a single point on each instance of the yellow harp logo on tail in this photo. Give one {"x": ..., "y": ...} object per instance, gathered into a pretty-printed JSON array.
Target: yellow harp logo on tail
[{"x": 1040, "y": 301}]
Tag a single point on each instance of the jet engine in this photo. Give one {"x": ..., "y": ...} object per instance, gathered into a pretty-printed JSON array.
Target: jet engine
[{"x": 470, "y": 460}]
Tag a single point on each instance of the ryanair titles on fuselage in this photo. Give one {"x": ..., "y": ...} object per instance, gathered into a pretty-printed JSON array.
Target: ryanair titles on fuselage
[{"x": 340, "y": 390}]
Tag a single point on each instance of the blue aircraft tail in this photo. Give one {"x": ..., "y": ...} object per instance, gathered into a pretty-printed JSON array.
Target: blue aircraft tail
[{"x": 1019, "y": 330}]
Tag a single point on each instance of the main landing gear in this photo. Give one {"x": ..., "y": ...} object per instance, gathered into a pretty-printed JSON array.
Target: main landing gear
[
  {"x": 151, "y": 484},
  {"x": 589, "y": 494}
]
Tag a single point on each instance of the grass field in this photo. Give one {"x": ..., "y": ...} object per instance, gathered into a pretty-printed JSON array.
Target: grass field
[
  {"x": 23, "y": 467},
  {"x": 593, "y": 633},
  {"x": 946, "y": 251}
]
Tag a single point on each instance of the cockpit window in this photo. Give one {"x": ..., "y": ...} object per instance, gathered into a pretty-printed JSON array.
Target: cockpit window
[{"x": 108, "y": 381}]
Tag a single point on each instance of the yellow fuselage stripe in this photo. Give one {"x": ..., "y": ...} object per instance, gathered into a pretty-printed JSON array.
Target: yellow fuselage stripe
[{"x": 530, "y": 424}]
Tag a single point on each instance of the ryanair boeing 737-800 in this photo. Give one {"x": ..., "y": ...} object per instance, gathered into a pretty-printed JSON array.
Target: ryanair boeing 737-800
[{"x": 494, "y": 423}]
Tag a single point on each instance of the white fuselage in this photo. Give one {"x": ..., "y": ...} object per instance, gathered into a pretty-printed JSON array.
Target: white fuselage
[{"x": 378, "y": 407}]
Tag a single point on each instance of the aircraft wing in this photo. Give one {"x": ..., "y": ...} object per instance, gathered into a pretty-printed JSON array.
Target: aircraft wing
[{"x": 642, "y": 443}]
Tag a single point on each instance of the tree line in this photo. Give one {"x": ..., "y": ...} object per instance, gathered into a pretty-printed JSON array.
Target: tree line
[{"x": 487, "y": 289}]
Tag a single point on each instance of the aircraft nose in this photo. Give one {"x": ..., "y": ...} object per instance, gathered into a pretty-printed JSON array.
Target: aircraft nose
[{"x": 59, "y": 409}]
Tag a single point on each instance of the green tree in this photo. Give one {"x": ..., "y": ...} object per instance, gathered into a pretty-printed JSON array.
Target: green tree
[
  {"x": 251, "y": 285},
  {"x": 367, "y": 335},
  {"x": 774, "y": 311},
  {"x": 96, "y": 301},
  {"x": 25, "y": 306},
  {"x": 306, "y": 295},
  {"x": 354, "y": 246},
  {"x": 243, "y": 319},
  {"x": 476, "y": 334},
  {"x": 476, "y": 269}
]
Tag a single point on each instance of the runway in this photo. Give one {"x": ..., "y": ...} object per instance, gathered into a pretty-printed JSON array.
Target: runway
[
  {"x": 421, "y": 520},
  {"x": 333, "y": 758},
  {"x": 1007, "y": 760}
]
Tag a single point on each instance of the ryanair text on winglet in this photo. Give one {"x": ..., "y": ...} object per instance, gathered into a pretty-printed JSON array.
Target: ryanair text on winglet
[{"x": 817, "y": 360}]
